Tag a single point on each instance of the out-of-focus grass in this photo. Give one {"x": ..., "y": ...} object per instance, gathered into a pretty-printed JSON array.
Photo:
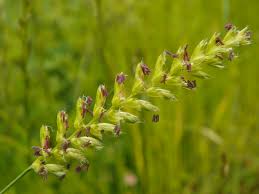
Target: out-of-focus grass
[{"x": 64, "y": 49}]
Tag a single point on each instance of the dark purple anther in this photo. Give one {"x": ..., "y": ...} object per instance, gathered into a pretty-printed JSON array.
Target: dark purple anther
[
  {"x": 87, "y": 144},
  {"x": 164, "y": 78},
  {"x": 37, "y": 150},
  {"x": 189, "y": 66},
  {"x": 104, "y": 91},
  {"x": 191, "y": 84},
  {"x": 219, "y": 41},
  {"x": 145, "y": 69},
  {"x": 78, "y": 169},
  {"x": 84, "y": 109},
  {"x": 120, "y": 78},
  {"x": 64, "y": 118},
  {"x": 155, "y": 118},
  {"x": 66, "y": 123},
  {"x": 89, "y": 100},
  {"x": 228, "y": 26},
  {"x": 82, "y": 167},
  {"x": 78, "y": 134},
  {"x": 248, "y": 35},
  {"x": 65, "y": 145},
  {"x": 43, "y": 173},
  {"x": 186, "y": 57},
  {"x": 46, "y": 145},
  {"x": 117, "y": 130}
]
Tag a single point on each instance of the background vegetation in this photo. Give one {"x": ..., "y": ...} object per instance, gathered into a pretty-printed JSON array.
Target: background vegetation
[{"x": 51, "y": 52}]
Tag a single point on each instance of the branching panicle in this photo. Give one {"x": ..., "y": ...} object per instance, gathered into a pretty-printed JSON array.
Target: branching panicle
[{"x": 55, "y": 157}]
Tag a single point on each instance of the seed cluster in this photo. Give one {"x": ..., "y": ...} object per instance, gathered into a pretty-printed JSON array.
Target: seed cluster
[{"x": 57, "y": 157}]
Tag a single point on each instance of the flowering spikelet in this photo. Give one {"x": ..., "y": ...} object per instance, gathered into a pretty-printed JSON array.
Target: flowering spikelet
[{"x": 56, "y": 157}]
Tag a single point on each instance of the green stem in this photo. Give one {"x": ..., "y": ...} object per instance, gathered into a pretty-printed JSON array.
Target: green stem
[{"x": 16, "y": 179}]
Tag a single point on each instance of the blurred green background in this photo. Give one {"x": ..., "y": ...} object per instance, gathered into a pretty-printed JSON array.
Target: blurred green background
[{"x": 52, "y": 51}]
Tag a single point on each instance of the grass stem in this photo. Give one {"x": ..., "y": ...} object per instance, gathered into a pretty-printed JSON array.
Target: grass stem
[{"x": 16, "y": 179}]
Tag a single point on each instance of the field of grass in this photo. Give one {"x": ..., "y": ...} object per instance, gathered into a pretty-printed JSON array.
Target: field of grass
[{"x": 52, "y": 52}]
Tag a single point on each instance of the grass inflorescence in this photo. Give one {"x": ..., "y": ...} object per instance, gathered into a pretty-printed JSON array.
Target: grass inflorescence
[
  {"x": 56, "y": 157},
  {"x": 94, "y": 118}
]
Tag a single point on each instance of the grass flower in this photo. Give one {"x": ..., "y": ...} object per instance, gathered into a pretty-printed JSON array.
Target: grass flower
[{"x": 56, "y": 157}]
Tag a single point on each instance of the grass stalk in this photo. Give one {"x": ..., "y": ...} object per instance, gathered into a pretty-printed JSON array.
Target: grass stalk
[{"x": 16, "y": 179}]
